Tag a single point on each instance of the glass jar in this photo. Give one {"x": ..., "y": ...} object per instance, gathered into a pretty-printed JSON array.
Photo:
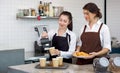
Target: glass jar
[
  {"x": 115, "y": 65},
  {"x": 26, "y": 12},
  {"x": 20, "y": 12},
  {"x": 33, "y": 13},
  {"x": 100, "y": 64}
]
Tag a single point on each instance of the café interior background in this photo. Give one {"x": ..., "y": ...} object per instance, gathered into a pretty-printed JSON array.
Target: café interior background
[{"x": 19, "y": 33}]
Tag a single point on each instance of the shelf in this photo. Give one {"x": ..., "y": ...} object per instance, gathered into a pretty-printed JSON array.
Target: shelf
[{"x": 35, "y": 17}]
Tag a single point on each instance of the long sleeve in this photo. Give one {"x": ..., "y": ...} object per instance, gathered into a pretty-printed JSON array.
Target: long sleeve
[
  {"x": 79, "y": 42},
  {"x": 72, "y": 47},
  {"x": 50, "y": 36},
  {"x": 106, "y": 39}
]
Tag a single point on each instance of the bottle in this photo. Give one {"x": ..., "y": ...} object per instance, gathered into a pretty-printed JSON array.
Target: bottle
[
  {"x": 40, "y": 8},
  {"x": 44, "y": 9},
  {"x": 47, "y": 9},
  {"x": 33, "y": 13},
  {"x": 50, "y": 9}
]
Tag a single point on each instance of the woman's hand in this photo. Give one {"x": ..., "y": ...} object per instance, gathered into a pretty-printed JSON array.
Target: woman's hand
[
  {"x": 91, "y": 55},
  {"x": 57, "y": 52},
  {"x": 54, "y": 52},
  {"x": 74, "y": 54},
  {"x": 44, "y": 35}
]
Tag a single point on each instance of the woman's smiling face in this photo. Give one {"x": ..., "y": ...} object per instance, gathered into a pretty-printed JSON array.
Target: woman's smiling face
[
  {"x": 63, "y": 21},
  {"x": 88, "y": 15}
]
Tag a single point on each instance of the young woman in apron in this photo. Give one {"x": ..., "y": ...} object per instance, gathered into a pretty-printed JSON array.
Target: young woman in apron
[
  {"x": 94, "y": 37},
  {"x": 63, "y": 39}
]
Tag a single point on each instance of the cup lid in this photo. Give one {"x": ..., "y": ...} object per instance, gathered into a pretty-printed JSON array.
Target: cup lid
[
  {"x": 116, "y": 61},
  {"x": 43, "y": 58},
  {"x": 104, "y": 62}
]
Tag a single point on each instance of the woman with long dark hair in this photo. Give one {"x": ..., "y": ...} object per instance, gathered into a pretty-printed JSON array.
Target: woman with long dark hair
[
  {"x": 63, "y": 39},
  {"x": 94, "y": 36}
]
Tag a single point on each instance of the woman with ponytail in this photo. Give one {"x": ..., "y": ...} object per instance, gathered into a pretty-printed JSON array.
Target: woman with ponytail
[
  {"x": 63, "y": 39},
  {"x": 94, "y": 37}
]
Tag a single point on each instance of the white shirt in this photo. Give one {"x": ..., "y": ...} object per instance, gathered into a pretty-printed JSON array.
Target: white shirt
[
  {"x": 104, "y": 34},
  {"x": 72, "y": 43}
]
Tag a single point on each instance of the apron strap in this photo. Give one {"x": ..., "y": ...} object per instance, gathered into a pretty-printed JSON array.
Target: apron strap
[
  {"x": 84, "y": 28},
  {"x": 55, "y": 34},
  {"x": 68, "y": 38},
  {"x": 100, "y": 27},
  {"x": 98, "y": 30}
]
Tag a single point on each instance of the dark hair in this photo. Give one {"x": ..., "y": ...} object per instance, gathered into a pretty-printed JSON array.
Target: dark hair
[
  {"x": 92, "y": 7},
  {"x": 70, "y": 26}
]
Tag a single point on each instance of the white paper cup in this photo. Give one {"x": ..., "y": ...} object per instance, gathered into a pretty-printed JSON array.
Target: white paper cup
[
  {"x": 60, "y": 59},
  {"x": 55, "y": 62},
  {"x": 51, "y": 50},
  {"x": 42, "y": 62}
]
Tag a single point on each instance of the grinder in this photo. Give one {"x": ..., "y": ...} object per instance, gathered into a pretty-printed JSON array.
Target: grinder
[
  {"x": 100, "y": 65},
  {"x": 41, "y": 49}
]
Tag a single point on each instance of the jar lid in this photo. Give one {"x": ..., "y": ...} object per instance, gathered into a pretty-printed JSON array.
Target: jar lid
[
  {"x": 116, "y": 61},
  {"x": 104, "y": 62}
]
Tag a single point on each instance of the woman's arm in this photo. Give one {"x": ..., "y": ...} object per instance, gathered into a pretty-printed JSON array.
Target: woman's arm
[
  {"x": 77, "y": 48},
  {"x": 72, "y": 47},
  {"x": 79, "y": 42},
  {"x": 102, "y": 52},
  {"x": 106, "y": 43},
  {"x": 46, "y": 35}
]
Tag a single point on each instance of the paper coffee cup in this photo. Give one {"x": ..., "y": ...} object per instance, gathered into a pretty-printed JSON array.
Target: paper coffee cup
[
  {"x": 55, "y": 62},
  {"x": 51, "y": 50},
  {"x": 42, "y": 62},
  {"x": 60, "y": 59}
]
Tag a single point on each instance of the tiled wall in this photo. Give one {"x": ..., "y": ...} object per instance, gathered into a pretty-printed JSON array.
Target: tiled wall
[{"x": 20, "y": 33}]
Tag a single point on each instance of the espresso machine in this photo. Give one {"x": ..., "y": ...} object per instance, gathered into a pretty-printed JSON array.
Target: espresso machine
[
  {"x": 100, "y": 65},
  {"x": 40, "y": 50}
]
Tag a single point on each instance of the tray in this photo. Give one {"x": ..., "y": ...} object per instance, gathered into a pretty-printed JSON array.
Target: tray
[{"x": 64, "y": 66}]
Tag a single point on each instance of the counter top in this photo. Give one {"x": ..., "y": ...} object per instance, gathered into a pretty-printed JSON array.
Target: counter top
[
  {"x": 30, "y": 68},
  {"x": 72, "y": 68}
]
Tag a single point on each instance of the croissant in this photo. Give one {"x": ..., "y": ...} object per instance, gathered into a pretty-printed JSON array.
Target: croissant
[{"x": 81, "y": 54}]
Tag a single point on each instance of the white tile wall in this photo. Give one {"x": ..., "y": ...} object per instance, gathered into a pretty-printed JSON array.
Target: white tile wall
[
  {"x": 20, "y": 33},
  {"x": 113, "y": 17}
]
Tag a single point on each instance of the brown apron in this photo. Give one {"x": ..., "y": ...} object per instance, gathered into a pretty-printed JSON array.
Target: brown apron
[{"x": 90, "y": 43}]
